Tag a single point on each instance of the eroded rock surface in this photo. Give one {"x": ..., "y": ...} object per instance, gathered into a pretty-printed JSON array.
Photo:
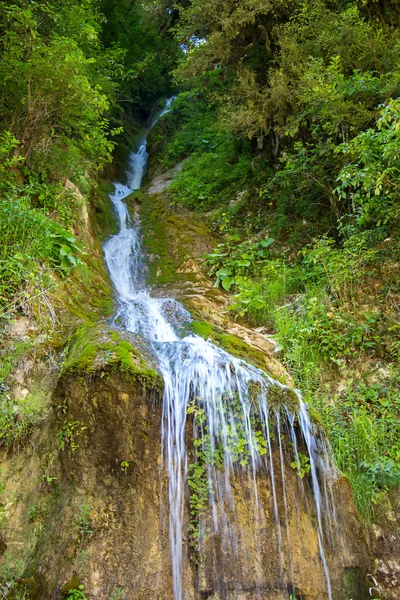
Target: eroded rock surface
[{"x": 87, "y": 501}]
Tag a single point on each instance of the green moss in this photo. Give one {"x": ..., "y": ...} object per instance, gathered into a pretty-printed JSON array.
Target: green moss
[
  {"x": 82, "y": 352},
  {"x": 203, "y": 329},
  {"x": 238, "y": 347},
  {"x": 102, "y": 209},
  {"x": 98, "y": 349},
  {"x": 114, "y": 336},
  {"x": 154, "y": 219},
  {"x": 353, "y": 584},
  {"x": 278, "y": 396},
  {"x": 229, "y": 342}
]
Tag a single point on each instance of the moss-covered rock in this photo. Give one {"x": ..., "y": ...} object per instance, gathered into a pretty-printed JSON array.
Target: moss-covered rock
[
  {"x": 229, "y": 342},
  {"x": 104, "y": 221},
  {"x": 169, "y": 238},
  {"x": 283, "y": 396},
  {"x": 99, "y": 348}
]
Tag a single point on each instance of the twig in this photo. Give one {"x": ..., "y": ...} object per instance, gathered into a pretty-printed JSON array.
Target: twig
[{"x": 33, "y": 297}]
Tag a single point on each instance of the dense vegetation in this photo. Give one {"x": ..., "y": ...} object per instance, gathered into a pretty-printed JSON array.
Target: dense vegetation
[
  {"x": 288, "y": 120},
  {"x": 68, "y": 71},
  {"x": 72, "y": 74},
  {"x": 289, "y": 124}
]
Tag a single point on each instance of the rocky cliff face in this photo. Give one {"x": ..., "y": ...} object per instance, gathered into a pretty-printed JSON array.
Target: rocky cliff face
[
  {"x": 86, "y": 501},
  {"x": 103, "y": 516}
]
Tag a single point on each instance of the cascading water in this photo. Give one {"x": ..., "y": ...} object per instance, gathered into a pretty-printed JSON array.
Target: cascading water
[{"x": 237, "y": 433}]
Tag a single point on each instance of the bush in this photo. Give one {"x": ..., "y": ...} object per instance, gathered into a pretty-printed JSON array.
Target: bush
[{"x": 31, "y": 245}]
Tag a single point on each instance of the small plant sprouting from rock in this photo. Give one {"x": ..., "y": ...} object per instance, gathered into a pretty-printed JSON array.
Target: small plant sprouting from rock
[
  {"x": 125, "y": 464},
  {"x": 302, "y": 465},
  {"x": 48, "y": 478},
  {"x": 68, "y": 434},
  {"x": 84, "y": 522},
  {"x": 77, "y": 594},
  {"x": 118, "y": 594}
]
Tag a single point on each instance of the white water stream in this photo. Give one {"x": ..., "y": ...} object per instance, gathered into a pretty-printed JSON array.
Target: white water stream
[{"x": 235, "y": 427}]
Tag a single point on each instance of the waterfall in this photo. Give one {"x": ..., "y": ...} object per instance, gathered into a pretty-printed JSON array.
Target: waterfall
[{"x": 236, "y": 417}]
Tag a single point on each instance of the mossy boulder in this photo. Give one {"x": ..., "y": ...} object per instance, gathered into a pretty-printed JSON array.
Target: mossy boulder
[{"x": 100, "y": 348}]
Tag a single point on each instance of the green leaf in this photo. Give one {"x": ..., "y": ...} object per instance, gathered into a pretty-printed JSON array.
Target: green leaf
[
  {"x": 242, "y": 263},
  {"x": 224, "y": 272},
  {"x": 258, "y": 303},
  {"x": 267, "y": 242},
  {"x": 227, "y": 283}
]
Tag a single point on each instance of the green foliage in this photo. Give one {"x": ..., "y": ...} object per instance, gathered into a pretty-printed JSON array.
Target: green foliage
[
  {"x": 77, "y": 594},
  {"x": 118, "y": 594},
  {"x": 16, "y": 424},
  {"x": 68, "y": 434},
  {"x": 138, "y": 40},
  {"x": 315, "y": 330},
  {"x": 364, "y": 428},
  {"x": 30, "y": 243},
  {"x": 234, "y": 257},
  {"x": 216, "y": 161},
  {"x": 184, "y": 130},
  {"x": 369, "y": 180},
  {"x": 125, "y": 464},
  {"x": 205, "y": 180},
  {"x": 60, "y": 80},
  {"x": 302, "y": 465},
  {"x": 55, "y": 73},
  {"x": 48, "y": 478},
  {"x": 306, "y": 81},
  {"x": 83, "y": 522}
]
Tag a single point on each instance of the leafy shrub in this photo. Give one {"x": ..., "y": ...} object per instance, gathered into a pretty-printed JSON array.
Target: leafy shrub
[
  {"x": 370, "y": 178},
  {"x": 232, "y": 257},
  {"x": 364, "y": 429},
  {"x": 31, "y": 244}
]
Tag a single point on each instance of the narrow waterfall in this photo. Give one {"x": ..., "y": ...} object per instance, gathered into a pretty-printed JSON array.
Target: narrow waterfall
[{"x": 224, "y": 421}]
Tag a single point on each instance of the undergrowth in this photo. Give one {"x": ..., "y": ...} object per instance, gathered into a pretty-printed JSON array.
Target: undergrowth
[
  {"x": 332, "y": 325},
  {"x": 309, "y": 248}
]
